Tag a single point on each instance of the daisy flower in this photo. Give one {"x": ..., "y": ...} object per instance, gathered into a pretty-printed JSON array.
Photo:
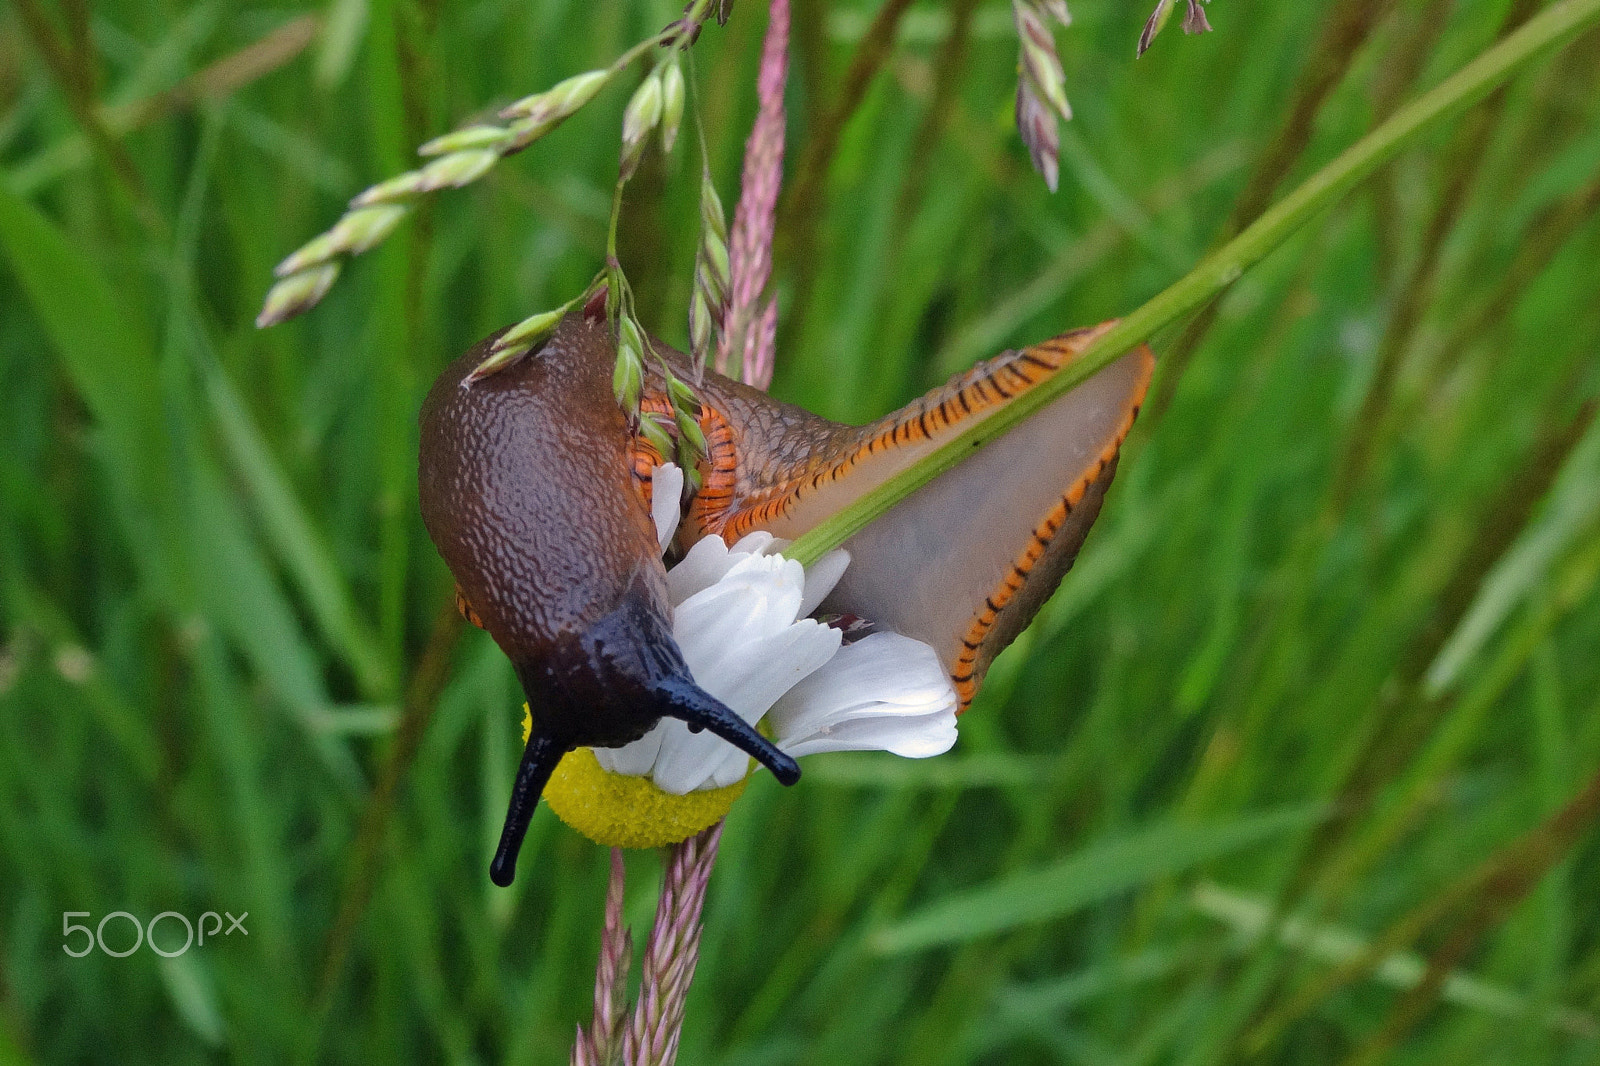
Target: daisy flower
[{"x": 742, "y": 616}]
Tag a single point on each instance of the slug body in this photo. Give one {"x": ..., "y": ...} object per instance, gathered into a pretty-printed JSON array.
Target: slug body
[
  {"x": 525, "y": 488},
  {"x": 537, "y": 496}
]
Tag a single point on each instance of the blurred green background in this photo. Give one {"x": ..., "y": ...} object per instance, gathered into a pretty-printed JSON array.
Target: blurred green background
[{"x": 1295, "y": 768}]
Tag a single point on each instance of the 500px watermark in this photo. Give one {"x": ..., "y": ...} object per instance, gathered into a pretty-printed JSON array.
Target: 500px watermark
[{"x": 145, "y": 934}]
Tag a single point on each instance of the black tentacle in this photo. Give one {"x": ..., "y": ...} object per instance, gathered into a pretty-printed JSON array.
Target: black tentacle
[
  {"x": 539, "y": 761},
  {"x": 691, "y": 704}
]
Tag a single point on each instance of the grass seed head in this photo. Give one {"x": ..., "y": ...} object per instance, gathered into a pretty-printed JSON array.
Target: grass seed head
[
  {"x": 641, "y": 117},
  {"x": 297, "y": 294},
  {"x": 673, "y": 94}
]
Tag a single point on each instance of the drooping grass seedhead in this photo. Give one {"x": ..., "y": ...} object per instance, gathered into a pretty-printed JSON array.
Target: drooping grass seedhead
[
  {"x": 708, "y": 305},
  {"x": 1041, "y": 84},
  {"x": 463, "y": 156},
  {"x": 1194, "y": 21},
  {"x": 638, "y": 121}
]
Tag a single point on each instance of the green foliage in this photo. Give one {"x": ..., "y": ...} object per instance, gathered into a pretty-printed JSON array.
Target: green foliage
[{"x": 1348, "y": 567}]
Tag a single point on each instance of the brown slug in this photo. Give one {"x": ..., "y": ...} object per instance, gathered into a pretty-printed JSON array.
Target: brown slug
[{"x": 537, "y": 496}]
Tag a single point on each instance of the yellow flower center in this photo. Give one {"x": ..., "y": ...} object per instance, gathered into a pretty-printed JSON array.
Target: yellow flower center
[{"x": 628, "y": 812}]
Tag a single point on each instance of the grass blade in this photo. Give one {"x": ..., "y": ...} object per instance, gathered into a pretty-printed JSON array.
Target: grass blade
[{"x": 1093, "y": 875}]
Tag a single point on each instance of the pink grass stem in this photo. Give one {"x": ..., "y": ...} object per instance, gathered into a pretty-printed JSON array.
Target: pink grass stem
[{"x": 746, "y": 330}]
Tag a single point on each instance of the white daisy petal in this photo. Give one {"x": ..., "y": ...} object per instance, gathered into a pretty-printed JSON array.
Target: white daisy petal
[
  {"x": 914, "y": 737},
  {"x": 701, "y": 567},
  {"x": 635, "y": 759},
  {"x": 757, "y": 599},
  {"x": 885, "y": 676},
  {"x": 666, "y": 490},
  {"x": 820, "y": 579},
  {"x": 730, "y": 769},
  {"x": 750, "y": 681},
  {"x": 720, "y": 618},
  {"x": 686, "y": 759},
  {"x": 759, "y": 542}
]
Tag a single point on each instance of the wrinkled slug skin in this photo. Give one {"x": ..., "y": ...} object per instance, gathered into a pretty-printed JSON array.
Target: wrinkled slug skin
[{"x": 526, "y": 490}]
